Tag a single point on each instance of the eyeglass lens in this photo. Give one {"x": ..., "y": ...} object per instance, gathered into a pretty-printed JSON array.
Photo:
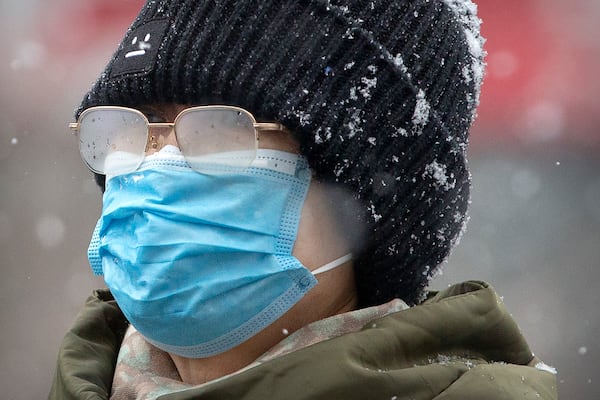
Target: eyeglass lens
[
  {"x": 214, "y": 138},
  {"x": 120, "y": 134}
]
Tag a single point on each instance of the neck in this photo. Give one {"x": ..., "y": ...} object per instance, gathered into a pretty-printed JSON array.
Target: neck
[{"x": 196, "y": 371}]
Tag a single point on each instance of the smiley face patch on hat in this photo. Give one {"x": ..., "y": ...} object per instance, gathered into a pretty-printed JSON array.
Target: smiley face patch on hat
[{"x": 140, "y": 48}]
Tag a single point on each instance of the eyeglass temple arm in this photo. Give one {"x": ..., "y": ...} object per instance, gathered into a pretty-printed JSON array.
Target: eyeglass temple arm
[{"x": 269, "y": 126}]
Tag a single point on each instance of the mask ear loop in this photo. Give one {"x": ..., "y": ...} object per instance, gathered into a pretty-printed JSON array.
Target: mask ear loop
[{"x": 333, "y": 264}]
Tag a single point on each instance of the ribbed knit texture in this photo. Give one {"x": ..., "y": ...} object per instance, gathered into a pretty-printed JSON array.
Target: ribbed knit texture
[{"x": 380, "y": 95}]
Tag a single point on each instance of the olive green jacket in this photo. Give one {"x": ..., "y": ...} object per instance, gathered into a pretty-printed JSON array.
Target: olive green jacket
[{"x": 460, "y": 344}]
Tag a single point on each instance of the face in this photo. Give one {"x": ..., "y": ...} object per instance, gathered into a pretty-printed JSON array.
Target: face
[{"x": 320, "y": 239}]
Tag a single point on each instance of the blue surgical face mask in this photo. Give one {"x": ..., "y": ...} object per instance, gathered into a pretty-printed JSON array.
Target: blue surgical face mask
[{"x": 201, "y": 263}]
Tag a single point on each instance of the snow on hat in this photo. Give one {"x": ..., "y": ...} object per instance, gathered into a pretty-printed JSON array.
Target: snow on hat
[{"x": 380, "y": 95}]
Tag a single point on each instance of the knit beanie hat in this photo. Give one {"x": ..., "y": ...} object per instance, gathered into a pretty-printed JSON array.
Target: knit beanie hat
[{"x": 379, "y": 94}]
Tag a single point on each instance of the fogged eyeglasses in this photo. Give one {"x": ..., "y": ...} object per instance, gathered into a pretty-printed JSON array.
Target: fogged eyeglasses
[{"x": 114, "y": 140}]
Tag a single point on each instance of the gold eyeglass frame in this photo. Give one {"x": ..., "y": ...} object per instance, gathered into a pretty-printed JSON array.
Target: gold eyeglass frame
[{"x": 151, "y": 141}]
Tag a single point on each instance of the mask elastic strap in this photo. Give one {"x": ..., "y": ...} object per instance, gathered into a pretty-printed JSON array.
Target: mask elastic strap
[{"x": 334, "y": 264}]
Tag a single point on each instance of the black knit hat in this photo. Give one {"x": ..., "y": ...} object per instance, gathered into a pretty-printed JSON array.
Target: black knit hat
[{"x": 380, "y": 95}]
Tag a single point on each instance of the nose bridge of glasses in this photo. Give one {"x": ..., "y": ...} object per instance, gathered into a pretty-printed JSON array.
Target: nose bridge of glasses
[{"x": 160, "y": 135}]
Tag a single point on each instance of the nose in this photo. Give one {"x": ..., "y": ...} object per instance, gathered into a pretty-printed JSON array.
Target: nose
[{"x": 160, "y": 135}]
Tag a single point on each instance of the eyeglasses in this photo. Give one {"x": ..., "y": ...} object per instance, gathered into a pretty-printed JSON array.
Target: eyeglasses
[{"x": 114, "y": 140}]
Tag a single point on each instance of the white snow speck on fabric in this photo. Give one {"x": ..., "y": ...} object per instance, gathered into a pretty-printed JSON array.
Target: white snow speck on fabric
[
  {"x": 340, "y": 168},
  {"x": 544, "y": 367},
  {"x": 467, "y": 13},
  {"x": 376, "y": 217},
  {"x": 440, "y": 175},
  {"x": 303, "y": 117},
  {"x": 354, "y": 125},
  {"x": 369, "y": 83},
  {"x": 466, "y": 72},
  {"x": 399, "y": 62},
  {"x": 400, "y": 132},
  {"x": 421, "y": 114},
  {"x": 322, "y": 135}
]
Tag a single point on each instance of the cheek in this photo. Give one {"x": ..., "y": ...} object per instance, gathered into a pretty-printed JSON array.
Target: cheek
[{"x": 318, "y": 241}]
